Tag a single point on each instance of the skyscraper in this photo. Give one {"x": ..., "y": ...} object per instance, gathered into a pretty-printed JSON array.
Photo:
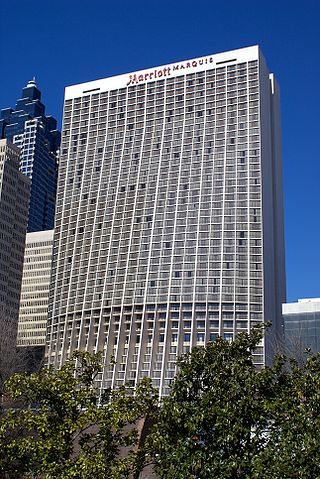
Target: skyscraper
[
  {"x": 14, "y": 200},
  {"x": 36, "y": 134},
  {"x": 33, "y": 313},
  {"x": 169, "y": 221}
]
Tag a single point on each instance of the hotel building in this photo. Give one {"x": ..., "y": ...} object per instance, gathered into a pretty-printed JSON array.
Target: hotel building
[{"x": 169, "y": 219}]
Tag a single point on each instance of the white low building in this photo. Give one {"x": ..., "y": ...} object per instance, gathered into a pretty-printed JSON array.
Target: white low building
[{"x": 302, "y": 326}]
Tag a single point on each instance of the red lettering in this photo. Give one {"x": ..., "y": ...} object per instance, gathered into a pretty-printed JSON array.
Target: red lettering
[
  {"x": 201, "y": 62},
  {"x": 140, "y": 78},
  {"x": 188, "y": 65},
  {"x": 130, "y": 80},
  {"x": 151, "y": 75},
  {"x": 194, "y": 63},
  {"x": 160, "y": 73},
  {"x": 169, "y": 69},
  {"x": 146, "y": 76},
  {"x": 175, "y": 67}
]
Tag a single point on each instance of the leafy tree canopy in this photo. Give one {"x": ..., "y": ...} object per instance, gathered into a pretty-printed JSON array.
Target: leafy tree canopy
[
  {"x": 68, "y": 431},
  {"x": 225, "y": 419}
]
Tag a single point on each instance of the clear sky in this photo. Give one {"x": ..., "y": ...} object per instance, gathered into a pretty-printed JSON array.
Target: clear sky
[{"x": 63, "y": 42}]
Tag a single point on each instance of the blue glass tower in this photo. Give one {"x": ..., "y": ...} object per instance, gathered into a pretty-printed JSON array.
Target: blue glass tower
[{"x": 36, "y": 134}]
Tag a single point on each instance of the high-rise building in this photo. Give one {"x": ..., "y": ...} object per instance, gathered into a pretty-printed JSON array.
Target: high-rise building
[
  {"x": 14, "y": 200},
  {"x": 37, "y": 136},
  {"x": 169, "y": 220},
  {"x": 302, "y": 326},
  {"x": 33, "y": 313}
]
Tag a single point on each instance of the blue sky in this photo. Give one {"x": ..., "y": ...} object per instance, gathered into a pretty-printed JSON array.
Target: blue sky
[{"x": 67, "y": 42}]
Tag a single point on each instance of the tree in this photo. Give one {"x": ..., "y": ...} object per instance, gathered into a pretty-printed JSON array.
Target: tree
[
  {"x": 225, "y": 419},
  {"x": 67, "y": 431}
]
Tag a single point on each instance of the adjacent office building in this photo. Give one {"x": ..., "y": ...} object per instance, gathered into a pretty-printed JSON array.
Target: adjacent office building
[
  {"x": 33, "y": 313},
  {"x": 14, "y": 200},
  {"x": 37, "y": 136},
  {"x": 302, "y": 326},
  {"x": 169, "y": 220}
]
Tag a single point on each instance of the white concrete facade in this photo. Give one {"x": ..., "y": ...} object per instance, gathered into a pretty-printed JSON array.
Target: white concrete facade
[
  {"x": 169, "y": 220},
  {"x": 307, "y": 305}
]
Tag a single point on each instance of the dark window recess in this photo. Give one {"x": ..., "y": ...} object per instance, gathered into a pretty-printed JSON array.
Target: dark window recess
[
  {"x": 227, "y": 61},
  {"x": 93, "y": 89}
]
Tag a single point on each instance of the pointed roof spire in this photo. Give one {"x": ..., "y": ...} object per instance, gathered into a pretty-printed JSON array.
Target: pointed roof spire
[{"x": 32, "y": 82}]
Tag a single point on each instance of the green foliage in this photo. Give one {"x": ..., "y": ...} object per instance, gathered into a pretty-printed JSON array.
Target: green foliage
[
  {"x": 224, "y": 419},
  {"x": 64, "y": 433}
]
